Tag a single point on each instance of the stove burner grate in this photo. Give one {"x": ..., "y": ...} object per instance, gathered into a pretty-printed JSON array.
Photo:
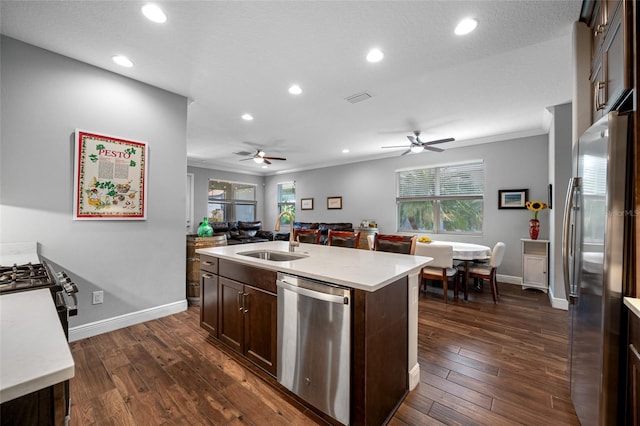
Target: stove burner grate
[{"x": 24, "y": 276}]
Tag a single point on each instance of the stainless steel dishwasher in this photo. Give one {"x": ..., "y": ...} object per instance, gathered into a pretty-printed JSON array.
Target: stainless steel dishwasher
[{"x": 314, "y": 343}]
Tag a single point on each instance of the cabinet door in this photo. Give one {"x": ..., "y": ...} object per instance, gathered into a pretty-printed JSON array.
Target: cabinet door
[
  {"x": 209, "y": 302},
  {"x": 230, "y": 314},
  {"x": 615, "y": 59},
  {"x": 535, "y": 271},
  {"x": 634, "y": 386},
  {"x": 261, "y": 315}
]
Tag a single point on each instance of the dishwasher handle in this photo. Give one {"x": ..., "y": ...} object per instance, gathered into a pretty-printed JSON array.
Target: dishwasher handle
[{"x": 332, "y": 298}]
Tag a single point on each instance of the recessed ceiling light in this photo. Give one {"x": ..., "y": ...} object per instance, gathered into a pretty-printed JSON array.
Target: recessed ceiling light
[
  {"x": 345, "y": 151},
  {"x": 466, "y": 26},
  {"x": 295, "y": 89},
  {"x": 154, "y": 13},
  {"x": 247, "y": 117},
  {"x": 375, "y": 55},
  {"x": 122, "y": 61}
]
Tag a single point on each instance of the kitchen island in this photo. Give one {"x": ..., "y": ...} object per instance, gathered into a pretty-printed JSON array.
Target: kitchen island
[{"x": 385, "y": 288}]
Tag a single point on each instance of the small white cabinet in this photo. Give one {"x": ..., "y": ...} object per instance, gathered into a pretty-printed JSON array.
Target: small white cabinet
[{"x": 535, "y": 264}]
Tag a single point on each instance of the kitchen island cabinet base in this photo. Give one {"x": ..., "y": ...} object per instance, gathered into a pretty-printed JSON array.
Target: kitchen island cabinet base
[{"x": 379, "y": 375}]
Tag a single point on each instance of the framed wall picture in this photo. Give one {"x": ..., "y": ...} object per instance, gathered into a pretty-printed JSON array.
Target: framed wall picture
[
  {"x": 306, "y": 203},
  {"x": 334, "y": 203},
  {"x": 110, "y": 178},
  {"x": 512, "y": 198}
]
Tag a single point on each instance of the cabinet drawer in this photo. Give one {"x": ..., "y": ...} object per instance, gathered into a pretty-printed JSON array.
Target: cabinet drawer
[
  {"x": 257, "y": 277},
  {"x": 209, "y": 264}
]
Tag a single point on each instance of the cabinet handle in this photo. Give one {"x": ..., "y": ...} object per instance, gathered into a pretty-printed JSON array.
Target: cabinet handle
[
  {"x": 244, "y": 302},
  {"x": 599, "y": 29},
  {"x": 206, "y": 262},
  {"x": 597, "y": 90},
  {"x": 239, "y": 301},
  {"x": 207, "y": 276}
]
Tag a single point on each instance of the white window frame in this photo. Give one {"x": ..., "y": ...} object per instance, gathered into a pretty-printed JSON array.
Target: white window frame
[{"x": 437, "y": 199}]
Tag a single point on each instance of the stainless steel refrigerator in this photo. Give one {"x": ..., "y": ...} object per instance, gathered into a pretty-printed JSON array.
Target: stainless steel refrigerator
[{"x": 595, "y": 243}]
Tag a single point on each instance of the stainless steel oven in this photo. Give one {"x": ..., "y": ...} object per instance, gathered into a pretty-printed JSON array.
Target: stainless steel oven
[{"x": 314, "y": 343}]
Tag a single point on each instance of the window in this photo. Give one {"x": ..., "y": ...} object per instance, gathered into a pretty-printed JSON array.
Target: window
[
  {"x": 446, "y": 199},
  {"x": 230, "y": 201},
  {"x": 287, "y": 200}
]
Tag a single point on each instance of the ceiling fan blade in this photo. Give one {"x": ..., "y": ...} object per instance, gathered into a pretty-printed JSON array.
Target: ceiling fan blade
[
  {"x": 243, "y": 153},
  {"x": 395, "y": 146},
  {"x": 245, "y": 159},
  {"x": 433, "y": 148},
  {"x": 274, "y": 158},
  {"x": 406, "y": 152},
  {"x": 439, "y": 141},
  {"x": 266, "y": 161},
  {"x": 412, "y": 139}
]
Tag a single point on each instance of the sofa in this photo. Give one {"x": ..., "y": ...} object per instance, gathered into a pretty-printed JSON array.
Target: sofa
[
  {"x": 241, "y": 232},
  {"x": 323, "y": 227}
]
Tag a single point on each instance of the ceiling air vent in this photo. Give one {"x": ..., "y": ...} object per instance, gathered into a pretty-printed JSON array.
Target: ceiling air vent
[{"x": 359, "y": 97}]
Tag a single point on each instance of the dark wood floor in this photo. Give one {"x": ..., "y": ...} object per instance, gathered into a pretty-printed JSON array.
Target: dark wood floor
[{"x": 480, "y": 363}]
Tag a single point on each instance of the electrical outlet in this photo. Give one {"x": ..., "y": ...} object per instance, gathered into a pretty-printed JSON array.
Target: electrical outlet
[{"x": 98, "y": 297}]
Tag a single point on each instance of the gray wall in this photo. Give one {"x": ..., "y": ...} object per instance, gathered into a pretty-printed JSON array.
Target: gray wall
[
  {"x": 559, "y": 174},
  {"x": 45, "y": 96},
  {"x": 368, "y": 191}
]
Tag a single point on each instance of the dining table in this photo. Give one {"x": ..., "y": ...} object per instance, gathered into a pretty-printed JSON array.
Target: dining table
[{"x": 463, "y": 252}]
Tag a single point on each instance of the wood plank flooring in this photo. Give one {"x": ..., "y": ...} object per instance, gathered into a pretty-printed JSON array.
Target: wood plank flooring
[{"x": 481, "y": 364}]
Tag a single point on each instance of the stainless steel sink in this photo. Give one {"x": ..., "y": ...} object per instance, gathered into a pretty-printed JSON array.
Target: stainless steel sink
[{"x": 272, "y": 255}]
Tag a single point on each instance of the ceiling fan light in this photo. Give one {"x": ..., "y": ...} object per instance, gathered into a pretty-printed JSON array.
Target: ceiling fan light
[
  {"x": 261, "y": 153},
  {"x": 247, "y": 117},
  {"x": 416, "y": 149},
  {"x": 258, "y": 159}
]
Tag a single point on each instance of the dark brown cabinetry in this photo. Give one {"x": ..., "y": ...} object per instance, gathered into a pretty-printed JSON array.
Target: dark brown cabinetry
[
  {"x": 633, "y": 380},
  {"x": 209, "y": 289},
  {"x": 239, "y": 307},
  {"x": 610, "y": 57}
]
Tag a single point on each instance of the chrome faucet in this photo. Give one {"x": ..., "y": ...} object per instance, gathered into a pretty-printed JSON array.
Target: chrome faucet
[{"x": 292, "y": 243}]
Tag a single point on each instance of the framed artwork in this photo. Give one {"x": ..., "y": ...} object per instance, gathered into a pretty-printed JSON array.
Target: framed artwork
[
  {"x": 334, "y": 203},
  {"x": 512, "y": 198},
  {"x": 110, "y": 178},
  {"x": 306, "y": 203}
]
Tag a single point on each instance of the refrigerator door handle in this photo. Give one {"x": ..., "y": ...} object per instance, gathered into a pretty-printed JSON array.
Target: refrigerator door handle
[{"x": 568, "y": 236}]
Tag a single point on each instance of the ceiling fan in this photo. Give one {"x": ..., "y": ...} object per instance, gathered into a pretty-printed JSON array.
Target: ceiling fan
[
  {"x": 418, "y": 145},
  {"x": 259, "y": 156}
]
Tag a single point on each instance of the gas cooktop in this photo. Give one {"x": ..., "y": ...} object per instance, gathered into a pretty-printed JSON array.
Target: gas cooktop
[{"x": 25, "y": 277}]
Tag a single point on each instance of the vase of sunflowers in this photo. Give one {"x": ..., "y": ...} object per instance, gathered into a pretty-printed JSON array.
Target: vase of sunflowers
[{"x": 534, "y": 223}]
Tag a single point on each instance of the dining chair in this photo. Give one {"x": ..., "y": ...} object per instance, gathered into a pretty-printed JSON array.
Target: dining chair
[
  {"x": 488, "y": 271},
  {"x": 440, "y": 269},
  {"x": 343, "y": 238},
  {"x": 404, "y": 244},
  {"x": 310, "y": 236}
]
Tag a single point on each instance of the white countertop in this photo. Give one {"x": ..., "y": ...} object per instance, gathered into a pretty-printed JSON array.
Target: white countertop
[
  {"x": 34, "y": 352},
  {"x": 633, "y": 304},
  {"x": 360, "y": 269}
]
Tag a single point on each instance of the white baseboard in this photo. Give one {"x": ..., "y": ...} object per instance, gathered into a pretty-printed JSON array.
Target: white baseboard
[
  {"x": 414, "y": 376},
  {"x": 115, "y": 323},
  {"x": 557, "y": 302},
  {"x": 509, "y": 279}
]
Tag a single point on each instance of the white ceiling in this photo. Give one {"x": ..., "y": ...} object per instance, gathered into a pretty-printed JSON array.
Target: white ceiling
[{"x": 234, "y": 57}]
